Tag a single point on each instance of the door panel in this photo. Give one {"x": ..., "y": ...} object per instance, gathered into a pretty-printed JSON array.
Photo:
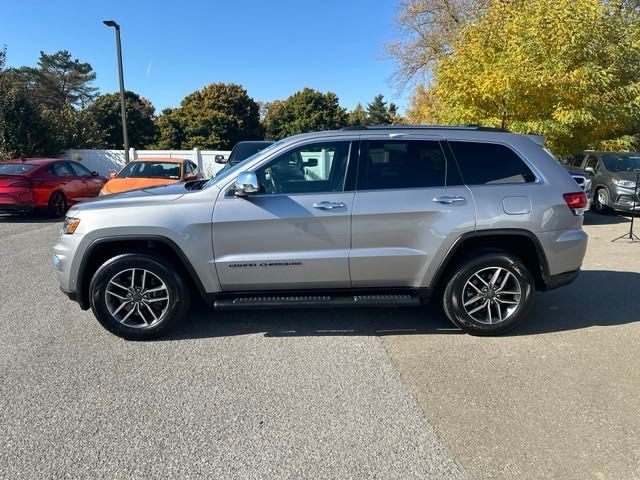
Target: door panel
[
  {"x": 398, "y": 234},
  {"x": 404, "y": 215},
  {"x": 296, "y": 234},
  {"x": 269, "y": 242}
]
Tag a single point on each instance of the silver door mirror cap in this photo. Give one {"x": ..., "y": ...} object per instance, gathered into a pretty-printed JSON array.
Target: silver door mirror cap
[{"x": 246, "y": 184}]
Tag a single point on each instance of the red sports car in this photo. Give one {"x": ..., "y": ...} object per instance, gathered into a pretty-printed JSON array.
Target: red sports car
[{"x": 47, "y": 183}]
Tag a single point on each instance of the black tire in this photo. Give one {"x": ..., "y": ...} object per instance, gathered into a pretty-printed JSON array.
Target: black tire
[
  {"x": 457, "y": 292},
  {"x": 601, "y": 205},
  {"x": 57, "y": 205},
  {"x": 160, "y": 270}
]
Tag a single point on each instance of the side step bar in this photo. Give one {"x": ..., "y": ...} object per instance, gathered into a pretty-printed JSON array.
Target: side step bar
[{"x": 316, "y": 301}]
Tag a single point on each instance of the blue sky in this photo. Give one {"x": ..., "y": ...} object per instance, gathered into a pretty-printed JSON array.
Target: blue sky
[{"x": 271, "y": 47}]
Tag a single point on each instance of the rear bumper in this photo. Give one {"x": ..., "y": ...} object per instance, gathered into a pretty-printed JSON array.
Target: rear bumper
[
  {"x": 561, "y": 279},
  {"x": 15, "y": 207}
]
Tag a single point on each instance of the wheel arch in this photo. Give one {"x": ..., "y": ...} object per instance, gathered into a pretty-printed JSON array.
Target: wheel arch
[
  {"x": 522, "y": 243},
  {"x": 100, "y": 250}
]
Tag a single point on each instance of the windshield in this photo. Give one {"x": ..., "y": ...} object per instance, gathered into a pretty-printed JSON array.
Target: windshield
[
  {"x": 15, "y": 168},
  {"x": 170, "y": 170},
  {"x": 239, "y": 166},
  {"x": 622, "y": 162},
  {"x": 243, "y": 151}
]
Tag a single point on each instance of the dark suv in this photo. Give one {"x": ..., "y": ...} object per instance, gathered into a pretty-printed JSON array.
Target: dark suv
[
  {"x": 240, "y": 152},
  {"x": 613, "y": 178}
]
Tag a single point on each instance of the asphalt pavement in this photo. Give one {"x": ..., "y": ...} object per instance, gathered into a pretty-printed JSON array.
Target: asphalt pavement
[{"x": 321, "y": 394}]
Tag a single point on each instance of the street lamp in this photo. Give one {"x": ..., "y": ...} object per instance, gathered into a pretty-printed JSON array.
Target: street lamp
[{"x": 111, "y": 23}]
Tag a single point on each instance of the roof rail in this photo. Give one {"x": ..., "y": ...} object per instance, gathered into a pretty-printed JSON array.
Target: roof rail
[{"x": 478, "y": 128}]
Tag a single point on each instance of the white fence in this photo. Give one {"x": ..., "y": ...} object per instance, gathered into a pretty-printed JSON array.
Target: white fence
[{"x": 106, "y": 161}]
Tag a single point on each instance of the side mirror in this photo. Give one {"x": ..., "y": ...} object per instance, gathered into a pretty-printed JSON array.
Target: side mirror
[
  {"x": 95, "y": 174},
  {"x": 590, "y": 170},
  {"x": 112, "y": 174},
  {"x": 310, "y": 162},
  {"x": 220, "y": 159},
  {"x": 246, "y": 183}
]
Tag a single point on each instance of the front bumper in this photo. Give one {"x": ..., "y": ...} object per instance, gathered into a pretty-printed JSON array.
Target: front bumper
[
  {"x": 623, "y": 199},
  {"x": 561, "y": 279}
]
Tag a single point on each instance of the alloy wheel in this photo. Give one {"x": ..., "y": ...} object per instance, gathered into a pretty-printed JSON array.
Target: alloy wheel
[
  {"x": 491, "y": 295},
  {"x": 137, "y": 298}
]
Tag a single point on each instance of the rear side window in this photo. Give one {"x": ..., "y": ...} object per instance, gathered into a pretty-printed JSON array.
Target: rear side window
[
  {"x": 490, "y": 163},
  {"x": 389, "y": 164}
]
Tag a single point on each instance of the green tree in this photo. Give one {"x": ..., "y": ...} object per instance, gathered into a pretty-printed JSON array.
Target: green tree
[
  {"x": 219, "y": 116},
  {"x": 141, "y": 129},
  {"x": 531, "y": 66},
  {"x": 358, "y": 116},
  {"x": 378, "y": 113},
  {"x": 305, "y": 111},
  {"x": 170, "y": 130}
]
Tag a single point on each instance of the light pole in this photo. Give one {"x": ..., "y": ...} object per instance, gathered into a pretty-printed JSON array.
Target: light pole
[{"x": 111, "y": 23}]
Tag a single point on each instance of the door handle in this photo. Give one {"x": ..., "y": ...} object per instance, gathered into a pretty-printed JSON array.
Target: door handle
[
  {"x": 448, "y": 200},
  {"x": 328, "y": 205}
]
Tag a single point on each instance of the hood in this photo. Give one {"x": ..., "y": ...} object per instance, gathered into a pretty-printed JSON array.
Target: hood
[
  {"x": 625, "y": 175},
  {"x": 153, "y": 196},
  {"x": 116, "y": 185}
]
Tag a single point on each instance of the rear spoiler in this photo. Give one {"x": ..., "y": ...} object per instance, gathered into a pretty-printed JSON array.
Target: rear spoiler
[{"x": 539, "y": 139}]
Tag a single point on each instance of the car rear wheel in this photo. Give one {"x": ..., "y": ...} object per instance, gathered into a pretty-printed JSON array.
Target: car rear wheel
[
  {"x": 601, "y": 201},
  {"x": 138, "y": 297},
  {"x": 489, "y": 294},
  {"x": 57, "y": 205}
]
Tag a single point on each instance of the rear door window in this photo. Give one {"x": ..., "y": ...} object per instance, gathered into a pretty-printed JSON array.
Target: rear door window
[
  {"x": 399, "y": 164},
  {"x": 490, "y": 164}
]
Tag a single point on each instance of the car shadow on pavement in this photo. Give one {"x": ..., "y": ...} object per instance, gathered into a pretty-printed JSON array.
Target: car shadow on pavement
[
  {"x": 596, "y": 298},
  {"x": 29, "y": 218},
  {"x": 592, "y": 218}
]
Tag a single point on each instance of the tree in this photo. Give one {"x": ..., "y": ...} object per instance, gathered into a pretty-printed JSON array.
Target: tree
[
  {"x": 305, "y": 111},
  {"x": 358, "y": 116},
  {"x": 531, "y": 66},
  {"x": 427, "y": 29},
  {"x": 60, "y": 80},
  {"x": 378, "y": 113},
  {"x": 169, "y": 130},
  {"x": 106, "y": 113},
  {"x": 219, "y": 116}
]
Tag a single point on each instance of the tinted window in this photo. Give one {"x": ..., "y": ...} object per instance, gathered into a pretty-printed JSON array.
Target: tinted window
[
  {"x": 320, "y": 167},
  {"x": 60, "y": 169},
  {"x": 15, "y": 168},
  {"x": 592, "y": 162},
  {"x": 489, "y": 163},
  {"x": 243, "y": 151},
  {"x": 147, "y": 169},
  {"x": 622, "y": 162},
  {"x": 79, "y": 170},
  {"x": 392, "y": 164}
]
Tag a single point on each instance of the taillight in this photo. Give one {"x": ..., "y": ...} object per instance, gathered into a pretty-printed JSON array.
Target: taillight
[
  {"x": 577, "y": 202},
  {"x": 22, "y": 184}
]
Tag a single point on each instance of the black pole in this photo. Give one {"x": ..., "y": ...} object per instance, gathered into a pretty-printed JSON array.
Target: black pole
[
  {"x": 632, "y": 236},
  {"x": 123, "y": 112}
]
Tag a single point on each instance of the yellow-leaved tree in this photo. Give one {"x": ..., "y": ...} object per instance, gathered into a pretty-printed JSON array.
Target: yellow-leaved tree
[{"x": 567, "y": 69}]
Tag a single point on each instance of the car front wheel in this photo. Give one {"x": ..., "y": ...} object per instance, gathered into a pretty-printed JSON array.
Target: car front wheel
[
  {"x": 601, "y": 201},
  {"x": 489, "y": 294},
  {"x": 138, "y": 297}
]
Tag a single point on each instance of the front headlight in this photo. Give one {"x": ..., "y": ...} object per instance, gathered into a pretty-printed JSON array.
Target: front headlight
[
  {"x": 624, "y": 183},
  {"x": 70, "y": 225}
]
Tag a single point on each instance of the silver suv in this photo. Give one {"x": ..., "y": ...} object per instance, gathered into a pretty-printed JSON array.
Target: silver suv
[{"x": 364, "y": 216}]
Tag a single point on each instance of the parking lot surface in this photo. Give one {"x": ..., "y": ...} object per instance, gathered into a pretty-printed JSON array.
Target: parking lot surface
[{"x": 322, "y": 394}]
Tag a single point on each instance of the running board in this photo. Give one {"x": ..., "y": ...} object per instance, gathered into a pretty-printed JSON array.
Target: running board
[{"x": 316, "y": 301}]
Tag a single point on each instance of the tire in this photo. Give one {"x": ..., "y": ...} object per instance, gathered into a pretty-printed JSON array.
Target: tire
[
  {"x": 57, "y": 205},
  {"x": 502, "y": 313},
  {"x": 138, "y": 313},
  {"x": 601, "y": 201}
]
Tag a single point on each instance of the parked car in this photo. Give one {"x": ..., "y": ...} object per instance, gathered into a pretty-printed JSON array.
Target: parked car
[
  {"x": 380, "y": 217},
  {"x": 51, "y": 184},
  {"x": 241, "y": 151},
  {"x": 613, "y": 179},
  {"x": 151, "y": 172}
]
